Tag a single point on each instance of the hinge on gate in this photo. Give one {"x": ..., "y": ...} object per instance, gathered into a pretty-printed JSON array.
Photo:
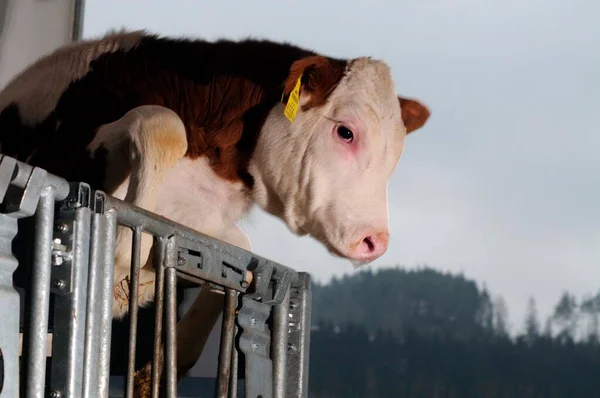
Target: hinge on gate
[
  {"x": 62, "y": 256},
  {"x": 80, "y": 195}
]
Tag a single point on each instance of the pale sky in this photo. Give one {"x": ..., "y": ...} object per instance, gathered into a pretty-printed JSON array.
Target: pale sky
[{"x": 503, "y": 182}]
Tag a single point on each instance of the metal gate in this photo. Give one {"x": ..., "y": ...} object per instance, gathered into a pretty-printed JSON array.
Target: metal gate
[{"x": 265, "y": 330}]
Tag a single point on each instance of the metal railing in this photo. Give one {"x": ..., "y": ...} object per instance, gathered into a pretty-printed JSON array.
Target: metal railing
[{"x": 70, "y": 251}]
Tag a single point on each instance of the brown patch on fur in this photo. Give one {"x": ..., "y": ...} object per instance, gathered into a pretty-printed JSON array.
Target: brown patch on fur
[
  {"x": 217, "y": 134},
  {"x": 320, "y": 76},
  {"x": 414, "y": 114}
]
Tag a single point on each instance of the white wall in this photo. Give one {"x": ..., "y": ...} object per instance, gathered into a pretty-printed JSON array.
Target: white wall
[{"x": 32, "y": 28}]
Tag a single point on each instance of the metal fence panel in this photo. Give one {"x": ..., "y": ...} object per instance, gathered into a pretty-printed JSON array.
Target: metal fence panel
[{"x": 266, "y": 324}]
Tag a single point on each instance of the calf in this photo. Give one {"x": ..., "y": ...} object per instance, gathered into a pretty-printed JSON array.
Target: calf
[{"x": 199, "y": 132}]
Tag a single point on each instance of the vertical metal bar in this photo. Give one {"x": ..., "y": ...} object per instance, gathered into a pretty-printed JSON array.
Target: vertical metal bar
[
  {"x": 233, "y": 378},
  {"x": 279, "y": 346},
  {"x": 9, "y": 310},
  {"x": 92, "y": 338},
  {"x": 68, "y": 338},
  {"x": 134, "y": 286},
  {"x": 299, "y": 336},
  {"x": 78, "y": 14},
  {"x": 108, "y": 269},
  {"x": 255, "y": 342},
  {"x": 40, "y": 295},
  {"x": 159, "y": 290},
  {"x": 227, "y": 330},
  {"x": 171, "y": 322}
]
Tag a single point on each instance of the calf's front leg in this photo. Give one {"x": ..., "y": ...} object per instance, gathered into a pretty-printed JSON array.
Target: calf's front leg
[{"x": 148, "y": 140}]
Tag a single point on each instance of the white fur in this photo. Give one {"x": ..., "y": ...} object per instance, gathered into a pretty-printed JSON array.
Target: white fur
[{"x": 195, "y": 196}]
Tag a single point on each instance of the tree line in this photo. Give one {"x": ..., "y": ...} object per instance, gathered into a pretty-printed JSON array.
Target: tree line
[{"x": 423, "y": 333}]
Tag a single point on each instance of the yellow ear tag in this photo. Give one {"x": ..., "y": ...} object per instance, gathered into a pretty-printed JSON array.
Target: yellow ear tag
[{"x": 291, "y": 108}]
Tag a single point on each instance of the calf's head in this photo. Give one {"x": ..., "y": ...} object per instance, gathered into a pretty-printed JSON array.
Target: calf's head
[{"x": 326, "y": 172}]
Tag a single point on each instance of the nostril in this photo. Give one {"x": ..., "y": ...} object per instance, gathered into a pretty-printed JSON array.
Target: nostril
[
  {"x": 371, "y": 246},
  {"x": 370, "y": 243}
]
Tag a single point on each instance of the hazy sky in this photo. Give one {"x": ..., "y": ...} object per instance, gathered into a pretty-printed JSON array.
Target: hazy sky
[{"x": 503, "y": 183}]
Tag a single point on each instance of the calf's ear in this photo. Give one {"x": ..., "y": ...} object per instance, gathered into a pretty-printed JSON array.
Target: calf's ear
[
  {"x": 414, "y": 114},
  {"x": 319, "y": 77}
]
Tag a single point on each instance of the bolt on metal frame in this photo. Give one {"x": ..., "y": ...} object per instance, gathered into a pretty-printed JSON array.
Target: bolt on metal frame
[{"x": 266, "y": 326}]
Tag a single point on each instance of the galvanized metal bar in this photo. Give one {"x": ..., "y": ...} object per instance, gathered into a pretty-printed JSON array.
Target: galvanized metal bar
[
  {"x": 255, "y": 344},
  {"x": 233, "y": 377},
  {"x": 299, "y": 336},
  {"x": 279, "y": 346},
  {"x": 212, "y": 262},
  {"x": 159, "y": 290},
  {"x": 78, "y": 15},
  {"x": 9, "y": 310},
  {"x": 134, "y": 286},
  {"x": 69, "y": 328},
  {"x": 106, "y": 288},
  {"x": 171, "y": 320},
  {"x": 227, "y": 335},
  {"x": 40, "y": 295},
  {"x": 133, "y": 216},
  {"x": 94, "y": 307}
]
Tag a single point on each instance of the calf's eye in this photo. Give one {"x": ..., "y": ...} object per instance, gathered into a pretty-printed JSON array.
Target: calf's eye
[{"x": 345, "y": 134}]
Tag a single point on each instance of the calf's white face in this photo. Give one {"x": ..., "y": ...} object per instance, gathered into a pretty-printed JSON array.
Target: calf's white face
[{"x": 326, "y": 173}]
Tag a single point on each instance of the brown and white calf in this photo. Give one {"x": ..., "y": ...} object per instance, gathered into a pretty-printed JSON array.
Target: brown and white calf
[{"x": 197, "y": 132}]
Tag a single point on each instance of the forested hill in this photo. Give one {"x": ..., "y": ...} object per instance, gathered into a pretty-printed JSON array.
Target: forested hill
[
  {"x": 425, "y": 300},
  {"x": 422, "y": 333}
]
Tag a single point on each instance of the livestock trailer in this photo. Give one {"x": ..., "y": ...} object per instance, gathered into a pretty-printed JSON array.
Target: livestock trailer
[{"x": 59, "y": 237}]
